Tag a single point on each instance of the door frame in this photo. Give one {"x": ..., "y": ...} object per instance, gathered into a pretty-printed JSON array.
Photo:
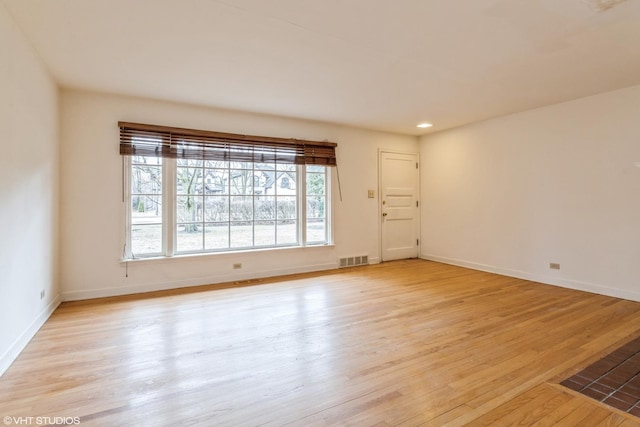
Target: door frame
[{"x": 382, "y": 151}]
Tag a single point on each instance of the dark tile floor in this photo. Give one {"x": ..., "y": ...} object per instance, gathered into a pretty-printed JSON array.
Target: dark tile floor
[{"x": 614, "y": 379}]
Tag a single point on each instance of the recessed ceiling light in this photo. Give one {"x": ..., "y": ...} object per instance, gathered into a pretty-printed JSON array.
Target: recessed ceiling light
[{"x": 425, "y": 125}]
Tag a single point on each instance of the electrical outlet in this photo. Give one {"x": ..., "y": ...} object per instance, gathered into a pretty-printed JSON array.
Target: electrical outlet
[
  {"x": 42, "y": 294},
  {"x": 371, "y": 194},
  {"x": 237, "y": 266},
  {"x": 554, "y": 266}
]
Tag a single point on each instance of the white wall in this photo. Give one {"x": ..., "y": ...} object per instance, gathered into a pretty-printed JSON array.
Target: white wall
[
  {"x": 28, "y": 192},
  {"x": 555, "y": 184},
  {"x": 92, "y": 211}
]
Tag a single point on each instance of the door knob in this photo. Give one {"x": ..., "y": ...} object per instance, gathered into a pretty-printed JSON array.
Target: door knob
[{"x": 384, "y": 214}]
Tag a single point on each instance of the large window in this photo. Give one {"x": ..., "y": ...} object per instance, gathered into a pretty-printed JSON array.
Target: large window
[{"x": 223, "y": 201}]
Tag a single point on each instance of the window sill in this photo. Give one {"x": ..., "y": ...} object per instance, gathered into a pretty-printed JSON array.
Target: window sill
[{"x": 200, "y": 256}]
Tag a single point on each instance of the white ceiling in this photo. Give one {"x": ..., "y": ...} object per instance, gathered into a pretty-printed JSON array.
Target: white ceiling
[{"x": 378, "y": 64}]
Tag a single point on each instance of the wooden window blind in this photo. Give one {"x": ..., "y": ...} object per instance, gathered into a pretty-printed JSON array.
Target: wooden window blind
[{"x": 161, "y": 141}]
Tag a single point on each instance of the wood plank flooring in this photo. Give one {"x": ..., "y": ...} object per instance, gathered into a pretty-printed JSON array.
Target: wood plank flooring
[
  {"x": 552, "y": 405},
  {"x": 401, "y": 343}
]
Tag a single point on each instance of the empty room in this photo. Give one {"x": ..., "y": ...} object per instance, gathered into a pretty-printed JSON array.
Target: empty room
[{"x": 359, "y": 213}]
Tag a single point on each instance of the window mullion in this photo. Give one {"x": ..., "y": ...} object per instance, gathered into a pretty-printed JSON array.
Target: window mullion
[
  {"x": 204, "y": 185},
  {"x": 328, "y": 206},
  {"x": 127, "y": 253},
  {"x": 253, "y": 204},
  {"x": 169, "y": 207},
  {"x": 276, "y": 223},
  {"x": 229, "y": 205},
  {"x": 301, "y": 209}
]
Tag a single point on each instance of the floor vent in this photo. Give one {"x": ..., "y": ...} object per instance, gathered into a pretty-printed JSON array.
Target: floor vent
[{"x": 354, "y": 260}]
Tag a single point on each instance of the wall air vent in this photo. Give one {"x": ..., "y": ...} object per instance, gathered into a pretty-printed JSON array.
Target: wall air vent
[{"x": 352, "y": 261}]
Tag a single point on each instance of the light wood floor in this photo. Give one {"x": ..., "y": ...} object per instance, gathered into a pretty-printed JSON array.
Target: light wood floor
[{"x": 401, "y": 343}]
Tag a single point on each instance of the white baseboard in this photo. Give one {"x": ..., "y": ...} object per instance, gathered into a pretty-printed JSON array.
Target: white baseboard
[
  {"x": 197, "y": 281},
  {"x": 16, "y": 348},
  {"x": 564, "y": 283}
]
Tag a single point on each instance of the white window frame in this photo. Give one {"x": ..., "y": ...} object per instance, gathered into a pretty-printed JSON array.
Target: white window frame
[{"x": 169, "y": 214}]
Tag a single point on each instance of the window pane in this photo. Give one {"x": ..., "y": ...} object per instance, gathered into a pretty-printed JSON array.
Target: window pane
[
  {"x": 146, "y": 160},
  {"x": 241, "y": 165},
  {"x": 216, "y": 208},
  {"x": 189, "y": 237},
  {"x": 264, "y": 182},
  {"x": 316, "y": 230},
  {"x": 189, "y": 208},
  {"x": 241, "y": 208},
  {"x": 265, "y": 207},
  {"x": 265, "y": 232},
  {"x": 286, "y": 184},
  {"x": 315, "y": 207},
  {"x": 287, "y": 232},
  {"x": 220, "y": 164},
  {"x": 314, "y": 168},
  {"x": 216, "y": 236},
  {"x": 241, "y": 181},
  {"x": 316, "y": 204},
  {"x": 216, "y": 181},
  {"x": 146, "y": 239},
  {"x": 286, "y": 207},
  {"x": 146, "y": 209},
  {"x": 189, "y": 181},
  {"x": 286, "y": 167},
  {"x": 265, "y": 166},
  {"x": 146, "y": 179},
  {"x": 315, "y": 184},
  {"x": 241, "y": 234},
  {"x": 189, "y": 163},
  {"x": 145, "y": 206}
]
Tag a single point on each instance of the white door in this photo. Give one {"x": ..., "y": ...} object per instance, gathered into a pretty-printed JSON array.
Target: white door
[{"x": 399, "y": 211}]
